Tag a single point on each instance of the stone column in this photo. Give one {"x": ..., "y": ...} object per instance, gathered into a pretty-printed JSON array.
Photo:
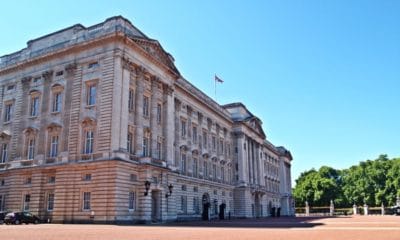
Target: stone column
[
  {"x": 120, "y": 105},
  {"x": 153, "y": 116},
  {"x": 169, "y": 125},
  {"x": 242, "y": 159},
  {"x": 249, "y": 160},
  {"x": 139, "y": 111}
]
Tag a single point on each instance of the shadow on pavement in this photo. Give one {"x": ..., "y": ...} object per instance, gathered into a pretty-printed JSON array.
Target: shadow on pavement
[{"x": 282, "y": 222}]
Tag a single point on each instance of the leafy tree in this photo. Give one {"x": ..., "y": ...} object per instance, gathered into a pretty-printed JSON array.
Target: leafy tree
[{"x": 372, "y": 182}]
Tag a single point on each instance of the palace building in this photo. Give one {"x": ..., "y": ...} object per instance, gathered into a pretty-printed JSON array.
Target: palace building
[{"x": 98, "y": 125}]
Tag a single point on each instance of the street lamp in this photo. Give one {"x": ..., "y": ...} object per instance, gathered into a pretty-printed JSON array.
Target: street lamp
[
  {"x": 170, "y": 187},
  {"x": 147, "y": 187}
]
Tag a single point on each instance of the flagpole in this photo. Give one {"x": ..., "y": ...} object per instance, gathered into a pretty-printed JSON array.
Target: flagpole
[{"x": 215, "y": 87}]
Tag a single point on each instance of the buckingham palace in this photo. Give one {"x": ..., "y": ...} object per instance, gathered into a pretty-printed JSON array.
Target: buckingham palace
[{"x": 98, "y": 125}]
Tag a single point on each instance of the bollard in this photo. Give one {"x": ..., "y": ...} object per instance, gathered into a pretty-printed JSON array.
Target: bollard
[
  {"x": 354, "y": 209},
  {"x": 307, "y": 209},
  {"x": 365, "y": 209},
  {"x": 331, "y": 208}
]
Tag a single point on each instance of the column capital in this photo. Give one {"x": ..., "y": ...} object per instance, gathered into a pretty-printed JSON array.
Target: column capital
[
  {"x": 26, "y": 80},
  {"x": 127, "y": 64},
  {"x": 167, "y": 89},
  {"x": 70, "y": 67},
  {"x": 47, "y": 75}
]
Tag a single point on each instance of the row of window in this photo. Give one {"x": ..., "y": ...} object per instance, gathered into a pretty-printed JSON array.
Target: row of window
[
  {"x": 215, "y": 145},
  {"x": 205, "y": 167},
  {"x": 56, "y": 104},
  {"x": 52, "y": 146},
  {"x": 145, "y": 107},
  {"x": 50, "y": 201}
]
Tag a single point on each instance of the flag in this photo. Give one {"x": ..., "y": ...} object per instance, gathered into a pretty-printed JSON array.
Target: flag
[{"x": 217, "y": 79}]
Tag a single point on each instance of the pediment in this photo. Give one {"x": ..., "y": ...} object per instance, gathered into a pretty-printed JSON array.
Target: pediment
[
  {"x": 255, "y": 124},
  {"x": 154, "y": 48}
]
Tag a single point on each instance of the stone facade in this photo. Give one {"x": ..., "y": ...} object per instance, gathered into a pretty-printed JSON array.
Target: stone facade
[{"x": 97, "y": 124}]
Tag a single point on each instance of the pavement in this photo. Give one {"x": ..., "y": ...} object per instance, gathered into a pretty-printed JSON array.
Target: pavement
[{"x": 285, "y": 228}]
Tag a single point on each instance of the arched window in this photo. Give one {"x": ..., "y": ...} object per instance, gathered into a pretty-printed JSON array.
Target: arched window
[
  {"x": 30, "y": 142},
  {"x": 57, "y": 98},
  {"x": 53, "y": 140},
  {"x": 34, "y": 103},
  {"x": 88, "y": 136},
  {"x": 4, "y": 144}
]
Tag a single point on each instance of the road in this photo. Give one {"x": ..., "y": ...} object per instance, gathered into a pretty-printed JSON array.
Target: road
[{"x": 339, "y": 228}]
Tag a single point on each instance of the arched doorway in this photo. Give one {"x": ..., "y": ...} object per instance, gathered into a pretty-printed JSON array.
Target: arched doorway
[{"x": 206, "y": 206}]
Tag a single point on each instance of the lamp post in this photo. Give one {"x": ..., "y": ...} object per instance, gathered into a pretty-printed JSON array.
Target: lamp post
[
  {"x": 169, "y": 193},
  {"x": 147, "y": 187}
]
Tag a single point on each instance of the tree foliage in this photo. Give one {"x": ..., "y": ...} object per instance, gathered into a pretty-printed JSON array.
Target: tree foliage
[{"x": 372, "y": 182}]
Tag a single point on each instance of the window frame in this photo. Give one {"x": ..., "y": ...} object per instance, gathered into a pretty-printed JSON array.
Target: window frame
[
  {"x": 50, "y": 201},
  {"x": 86, "y": 201}
]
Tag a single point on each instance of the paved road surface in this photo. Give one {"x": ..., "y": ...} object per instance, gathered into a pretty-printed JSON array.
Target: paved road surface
[{"x": 340, "y": 228}]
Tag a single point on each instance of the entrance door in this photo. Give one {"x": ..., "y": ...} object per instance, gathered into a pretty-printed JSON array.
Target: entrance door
[
  {"x": 206, "y": 207},
  {"x": 257, "y": 205},
  {"x": 155, "y": 206}
]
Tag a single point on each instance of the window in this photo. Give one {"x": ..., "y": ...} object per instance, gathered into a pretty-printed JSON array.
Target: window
[
  {"x": 86, "y": 201},
  {"x": 184, "y": 204},
  {"x": 88, "y": 143},
  {"x": 129, "y": 143},
  {"x": 8, "y": 112},
  {"x": 223, "y": 174},
  {"x": 131, "y": 201},
  {"x": 27, "y": 200},
  {"x": 4, "y": 152},
  {"x": 131, "y": 100},
  {"x": 50, "y": 202},
  {"x": 159, "y": 113},
  {"x": 146, "y": 106},
  {"x": 205, "y": 169},
  {"x": 196, "y": 205},
  {"x": 133, "y": 178},
  {"x": 59, "y": 73},
  {"x": 214, "y": 171},
  {"x": 195, "y": 166},
  {"x": 183, "y": 163},
  {"x": 145, "y": 146},
  {"x": 194, "y": 134},
  {"x": 53, "y": 146},
  {"x": 87, "y": 177},
  {"x": 28, "y": 180},
  {"x": 204, "y": 139},
  {"x": 91, "y": 94},
  {"x": 10, "y": 87},
  {"x": 93, "y": 65},
  {"x": 183, "y": 128},
  {"x": 214, "y": 144},
  {"x": 57, "y": 102},
  {"x": 159, "y": 150},
  {"x": 34, "y": 106},
  {"x": 52, "y": 179},
  {"x": 31, "y": 149},
  {"x": 221, "y": 146}
]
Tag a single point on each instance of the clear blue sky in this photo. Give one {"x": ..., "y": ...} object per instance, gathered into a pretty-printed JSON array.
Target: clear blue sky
[{"x": 324, "y": 76}]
